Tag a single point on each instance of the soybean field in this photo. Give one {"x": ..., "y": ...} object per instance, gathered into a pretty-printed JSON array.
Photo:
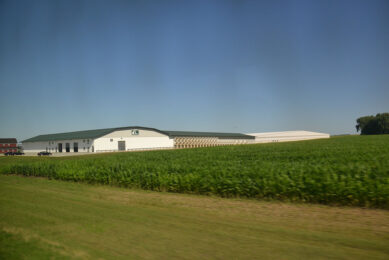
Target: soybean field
[{"x": 349, "y": 170}]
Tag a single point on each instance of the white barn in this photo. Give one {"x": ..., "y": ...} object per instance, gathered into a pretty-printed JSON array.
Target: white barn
[
  {"x": 127, "y": 139},
  {"x": 287, "y": 136}
]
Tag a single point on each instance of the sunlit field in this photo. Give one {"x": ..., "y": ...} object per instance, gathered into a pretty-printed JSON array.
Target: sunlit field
[
  {"x": 50, "y": 219},
  {"x": 352, "y": 170}
]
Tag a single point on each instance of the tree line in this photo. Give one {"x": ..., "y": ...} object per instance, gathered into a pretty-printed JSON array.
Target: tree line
[{"x": 373, "y": 125}]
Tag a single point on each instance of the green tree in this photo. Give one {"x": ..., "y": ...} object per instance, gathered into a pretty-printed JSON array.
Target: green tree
[
  {"x": 383, "y": 123},
  {"x": 372, "y": 125}
]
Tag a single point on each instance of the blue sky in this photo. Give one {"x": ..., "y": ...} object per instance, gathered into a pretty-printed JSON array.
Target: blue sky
[{"x": 232, "y": 66}]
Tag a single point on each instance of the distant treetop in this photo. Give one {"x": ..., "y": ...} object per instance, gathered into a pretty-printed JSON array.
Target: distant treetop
[{"x": 373, "y": 125}]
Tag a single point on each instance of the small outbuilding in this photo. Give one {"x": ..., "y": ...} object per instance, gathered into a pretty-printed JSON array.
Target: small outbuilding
[{"x": 8, "y": 145}]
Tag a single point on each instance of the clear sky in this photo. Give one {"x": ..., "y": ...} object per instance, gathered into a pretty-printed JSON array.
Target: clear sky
[{"x": 232, "y": 66}]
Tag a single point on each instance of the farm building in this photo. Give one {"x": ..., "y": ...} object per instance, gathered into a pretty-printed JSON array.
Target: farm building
[
  {"x": 287, "y": 136},
  {"x": 127, "y": 139},
  {"x": 8, "y": 145}
]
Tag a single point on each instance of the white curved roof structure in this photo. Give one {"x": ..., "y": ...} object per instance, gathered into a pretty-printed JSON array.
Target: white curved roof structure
[{"x": 286, "y": 136}]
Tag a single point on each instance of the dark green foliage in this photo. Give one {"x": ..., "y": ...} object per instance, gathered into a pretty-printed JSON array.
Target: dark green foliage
[
  {"x": 373, "y": 125},
  {"x": 350, "y": 170}
]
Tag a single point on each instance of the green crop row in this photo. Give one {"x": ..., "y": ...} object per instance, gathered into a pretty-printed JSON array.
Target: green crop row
[{"x": 350, "y": 170}]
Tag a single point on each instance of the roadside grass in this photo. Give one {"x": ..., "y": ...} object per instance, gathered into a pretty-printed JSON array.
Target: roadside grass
[
  {"x": 15, "y": 246},
  {"x": 41, "y": 218}
]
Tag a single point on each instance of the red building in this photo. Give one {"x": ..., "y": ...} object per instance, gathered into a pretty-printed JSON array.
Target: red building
[{"x": 8, "y": 145}]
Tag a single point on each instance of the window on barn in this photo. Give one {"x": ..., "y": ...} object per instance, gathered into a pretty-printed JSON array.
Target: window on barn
[
  {"x": 111, "y": 140},
  {"x": 135, "y": 132}
]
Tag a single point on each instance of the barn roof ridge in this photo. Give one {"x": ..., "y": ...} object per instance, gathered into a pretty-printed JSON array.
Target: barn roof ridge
[
  {"x": 96, "y": 133},
  {"x": 206, "y": 134}
]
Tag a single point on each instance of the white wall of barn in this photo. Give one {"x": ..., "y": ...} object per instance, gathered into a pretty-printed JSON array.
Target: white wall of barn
[
  {"x": 84, "y": 146},
  {"x": 225, "y": 141},
  {"x": 144, "y": 139}
]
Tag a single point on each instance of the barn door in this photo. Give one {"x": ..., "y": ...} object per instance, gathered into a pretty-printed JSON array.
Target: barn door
[{"x": 122, "y": 145}]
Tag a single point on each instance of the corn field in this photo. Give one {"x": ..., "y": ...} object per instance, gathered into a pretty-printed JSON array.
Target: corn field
[{"x": 351, "y": 170}]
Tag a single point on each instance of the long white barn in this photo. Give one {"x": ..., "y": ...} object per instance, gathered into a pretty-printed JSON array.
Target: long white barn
[
  {"x": 287, "y": 136},
  {"x": 127, "y": 139}
]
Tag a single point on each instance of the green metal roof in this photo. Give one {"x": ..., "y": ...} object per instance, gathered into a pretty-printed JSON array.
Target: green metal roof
[
  {"x": 207, "y": 134},
  {"x": 93, "y": 134},
  {"x": 87, "y": 134}
]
